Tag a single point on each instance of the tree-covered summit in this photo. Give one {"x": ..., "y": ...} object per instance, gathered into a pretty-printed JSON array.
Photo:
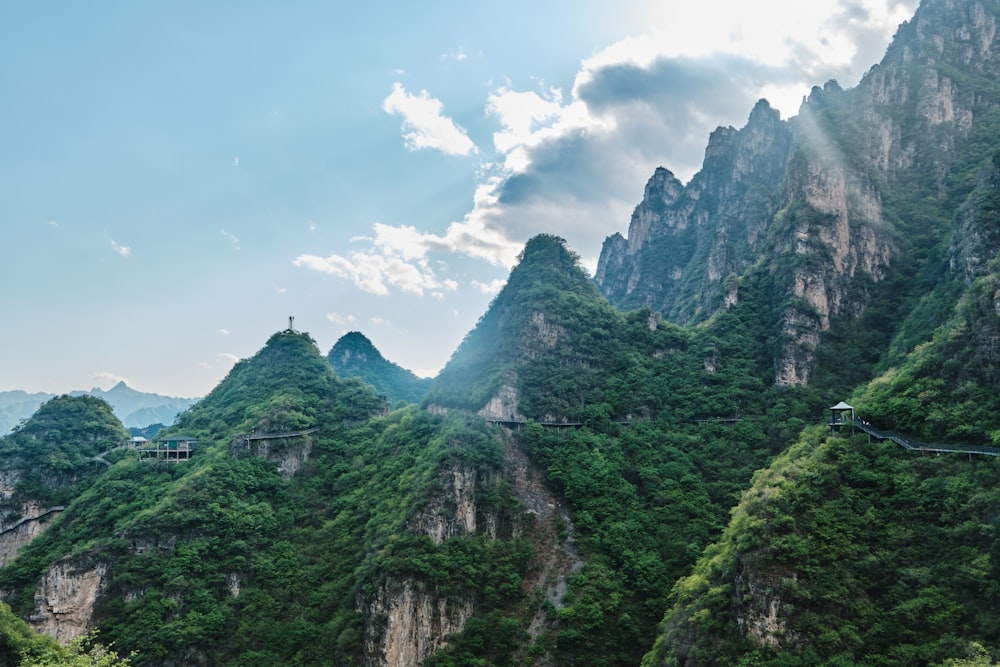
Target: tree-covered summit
[
  {"x": 286, "y": 386},
  {"x": 354, "y": 356},
  {"x": 540, "y": 344}
]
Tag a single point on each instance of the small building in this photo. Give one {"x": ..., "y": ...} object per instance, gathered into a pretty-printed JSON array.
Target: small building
[
  {"x": 173, "y": 449},
  {"x": 841, "y": 414},
  {"x": 138, "y": 441}
]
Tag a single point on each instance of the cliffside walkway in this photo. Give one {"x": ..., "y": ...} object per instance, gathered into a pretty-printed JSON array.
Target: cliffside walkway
[
  {"x": 276, "y": 436},
  {"x": 516, "y": 424},
  {"x": 18, "y": 524},
  {"x": 915, "y": 446}
]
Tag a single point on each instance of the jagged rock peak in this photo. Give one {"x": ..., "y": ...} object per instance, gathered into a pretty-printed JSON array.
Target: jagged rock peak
[{"x": 662, "y": 188}]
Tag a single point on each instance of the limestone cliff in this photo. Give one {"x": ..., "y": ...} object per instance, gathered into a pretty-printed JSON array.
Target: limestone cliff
[
  {"x": 407, "y": 618},
  {"x": 65, "y": 597},
  {"x": 828, "y": 205},
  {"x": 20, "y": 533},
  {"x": 684, "y": 240},
  {"x": 288, "y": 450}
]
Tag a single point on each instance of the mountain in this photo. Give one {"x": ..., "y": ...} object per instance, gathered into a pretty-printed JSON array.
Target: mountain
[
  {"x": 139, "y": 408},
  {"x": 354, "y": 356},
  {"x": 134, "y": 408},
  {"x": 639, "y": 468},
  {"x": 18, "y": 405},
  {"x": 848, "y": 208}
]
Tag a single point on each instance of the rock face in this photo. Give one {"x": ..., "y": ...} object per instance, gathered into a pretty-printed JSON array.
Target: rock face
[
  {"x": 289, "y": 451},
  {"x": 759, "y": 611},
  {"x": 683, "y": 241},
  {"x": 504, "y": 405},
  {"x": 19, "y": 534},
  {"x": 804, "y": 201},
  {"x": 64, "y": 600},
  {"x": 452, "y": 512},
  {"x": 407, "y": 619},
  {"x": 407, "y": 622},
  {"x": 21, "y": 521}
]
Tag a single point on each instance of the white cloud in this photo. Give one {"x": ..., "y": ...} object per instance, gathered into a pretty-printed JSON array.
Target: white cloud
[
  {"x": 232, "y": 238},
  {"x": 236, "y": 161},
  {"x": 492, "y": 287},
  {"x": 222, "y": 332},
  {"x": 399, "y": 257},
  {"x": 310, "y": 225},
  {"x": 375, "y": 272},
  {"x": 226, "y": 358},
  {"x": 280, "y": 290},
  {"x": 423, "y": 124},
  {"x": 122, "y": 250},
  {"x": 342, "y": 320},
  {"x": 379, "y": 321},
  {"x": 53, "y": 224}
]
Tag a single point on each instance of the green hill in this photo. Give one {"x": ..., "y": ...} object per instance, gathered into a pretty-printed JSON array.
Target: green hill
[{"x": 354, "y": 356}]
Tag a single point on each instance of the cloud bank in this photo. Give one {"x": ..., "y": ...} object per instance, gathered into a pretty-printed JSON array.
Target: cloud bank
[{"x": 574, "y": 163}]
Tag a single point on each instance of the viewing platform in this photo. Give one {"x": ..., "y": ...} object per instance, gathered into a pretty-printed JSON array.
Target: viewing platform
[{"x": 171, "y": 450}]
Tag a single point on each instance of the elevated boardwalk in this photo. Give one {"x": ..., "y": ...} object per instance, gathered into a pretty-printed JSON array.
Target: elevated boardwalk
[
  {"x": 916, "y": 446},
  {"x": 43, "y": 513},
  {"x": 278, "y": 436},
  {"x": 516, "y": 424}
]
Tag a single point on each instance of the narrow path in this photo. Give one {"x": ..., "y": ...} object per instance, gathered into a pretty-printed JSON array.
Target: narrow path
[
  {"x": 915, "y": 446},
  {"x": 18, "y": 524}
]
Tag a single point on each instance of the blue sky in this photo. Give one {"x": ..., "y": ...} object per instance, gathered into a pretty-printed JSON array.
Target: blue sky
[{"x": 177, "y": 178}]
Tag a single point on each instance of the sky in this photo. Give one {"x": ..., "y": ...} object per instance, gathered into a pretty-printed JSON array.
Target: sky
[{"x": 177, "y": 179}]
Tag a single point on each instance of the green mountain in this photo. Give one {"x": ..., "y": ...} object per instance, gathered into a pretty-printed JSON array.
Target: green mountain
[
  {"x": 135, "y": 409},
  {"x": 354, "y": 356},
  {"x": 631, "y": 469}
]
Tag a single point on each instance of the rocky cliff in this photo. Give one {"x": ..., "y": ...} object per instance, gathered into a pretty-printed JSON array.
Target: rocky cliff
[
  {"x": 685, "y": 240},
  {"x": 861, "y": 187},
  {"x": 65, "y": 597},
  {"x": 408, "y": 618}
]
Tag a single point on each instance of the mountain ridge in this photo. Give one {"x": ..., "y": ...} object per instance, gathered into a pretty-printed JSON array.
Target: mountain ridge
[
  {"x": 134, "y": 408},
  {"x": 601, "y": 485}
]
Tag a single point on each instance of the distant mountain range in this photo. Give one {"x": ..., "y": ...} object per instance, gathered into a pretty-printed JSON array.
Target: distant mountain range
[{"x": 134, "y": 408}]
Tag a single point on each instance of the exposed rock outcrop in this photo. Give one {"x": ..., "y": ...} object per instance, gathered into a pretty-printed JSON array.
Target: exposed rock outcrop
[
  {"x": 289, "y": 451},
  {"x": 806, "y": 199},
  {"x": 684, "y": 240},
  {"x": 20, "y": 533},
  {"x": 759, "y": 608},
  {"x": 452, "y": 511},
  {"x": 64, "y": 599},
  {"x": 504, "y": 404},
  {"x": 407, "y": 621}
]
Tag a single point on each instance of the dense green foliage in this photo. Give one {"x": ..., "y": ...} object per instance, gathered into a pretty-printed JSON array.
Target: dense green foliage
[
  {"x": 871, "y": 555},
  {"x": 676, "y": 475},
  {"x": 949, "y": 387},
  {"x": 354, "y": 356},
  {"x": 222, "y": 559},
  {"x": 20, "y": 647},
  {"x": 54, "y": 451}
]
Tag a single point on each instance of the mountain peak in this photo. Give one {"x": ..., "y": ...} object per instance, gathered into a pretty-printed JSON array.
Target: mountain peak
[
  {"x": 287, "y": 385},
  {"x": 355, "y": 344},
  {"x": 354, "y": 355},
  {"x": 535, "y": 316}
]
